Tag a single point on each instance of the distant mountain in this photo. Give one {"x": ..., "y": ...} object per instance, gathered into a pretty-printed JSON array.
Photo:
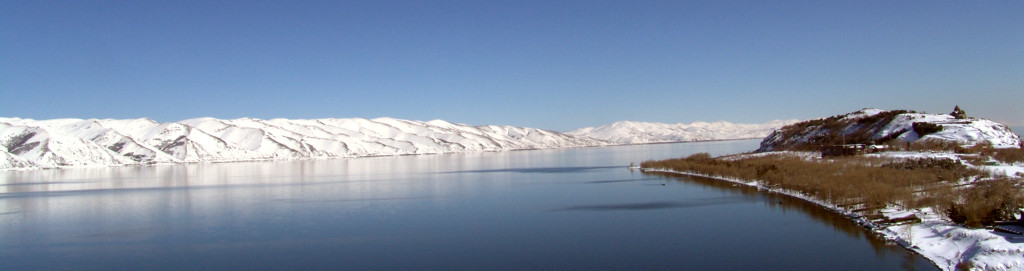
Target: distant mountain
[
  {"x": 628, "y": 132},
  {"x": 871, "y": 125},
  {"x": 26, "y": 143}
]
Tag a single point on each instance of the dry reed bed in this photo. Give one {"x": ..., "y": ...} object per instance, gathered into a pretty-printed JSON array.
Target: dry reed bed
[{"x": 965, "y": 195}]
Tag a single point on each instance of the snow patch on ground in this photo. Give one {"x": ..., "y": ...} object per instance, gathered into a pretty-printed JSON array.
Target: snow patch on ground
[{"x": 947, "y": 244}]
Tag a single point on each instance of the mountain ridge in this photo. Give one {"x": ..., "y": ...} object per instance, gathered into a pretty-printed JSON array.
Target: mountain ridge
[
  {"x": 27, "y": 143},
  {"x": 69, "y": 142}
]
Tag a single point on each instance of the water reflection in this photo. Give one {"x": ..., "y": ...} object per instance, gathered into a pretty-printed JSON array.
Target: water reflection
[
  {"x": 534, "y": 170},
  {"x": 351, "y": 200},
  {"x": 654, "y": 205},
  {"x": 547, "y": 209},
  {"x": 838, "y": 222},
  {"x": 620, "y": 181}
]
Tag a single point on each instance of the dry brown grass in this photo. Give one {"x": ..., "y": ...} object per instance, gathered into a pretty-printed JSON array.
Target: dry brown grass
[
  {"x": 1011, "y": 155},
  {"x": 1006, "y": 155},
  {"x": 869, "y": 182}
]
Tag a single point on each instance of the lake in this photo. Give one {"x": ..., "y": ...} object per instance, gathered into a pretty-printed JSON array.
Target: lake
[{"x": 557, "y": 209}]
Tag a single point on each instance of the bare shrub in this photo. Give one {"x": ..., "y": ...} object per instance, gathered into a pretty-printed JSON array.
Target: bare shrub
[{"x": 986, "y": 202}]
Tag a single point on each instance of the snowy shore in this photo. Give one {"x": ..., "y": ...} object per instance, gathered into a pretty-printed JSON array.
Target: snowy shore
[{"x": 936, "y": 238}]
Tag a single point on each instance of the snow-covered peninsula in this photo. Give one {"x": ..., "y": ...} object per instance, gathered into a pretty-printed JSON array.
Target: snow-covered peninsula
[{"x": 946, "y": 186}]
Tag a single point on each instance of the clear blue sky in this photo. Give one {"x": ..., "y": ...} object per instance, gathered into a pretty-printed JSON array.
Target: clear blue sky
[{"x": 546, "y": 64}]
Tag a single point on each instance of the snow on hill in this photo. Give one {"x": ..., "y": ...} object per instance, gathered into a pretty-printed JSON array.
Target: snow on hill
[
  {"x": 628, "y": 132},
  {"x": 26, "y": 143},
  {"x": 871, "y": 125}
]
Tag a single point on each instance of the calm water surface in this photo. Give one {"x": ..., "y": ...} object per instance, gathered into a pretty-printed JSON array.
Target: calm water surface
[{"x": 547, "y": 209}]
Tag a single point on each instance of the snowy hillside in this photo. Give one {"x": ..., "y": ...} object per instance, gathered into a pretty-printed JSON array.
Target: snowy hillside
[
  {"x": 871, "y": 125},
  {"x": 26, "y": 143},
  {"x": 628, "y": 132}
]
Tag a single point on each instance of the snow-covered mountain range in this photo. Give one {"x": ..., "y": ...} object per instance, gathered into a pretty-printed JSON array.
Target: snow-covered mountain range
[
  {"x": 871, "y": 126},
  {"x": 629, "y": 132},
  {"x": 26, "y": 143}
]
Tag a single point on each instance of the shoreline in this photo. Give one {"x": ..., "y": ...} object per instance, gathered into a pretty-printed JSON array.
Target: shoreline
[{"x": 935, "y": 235}]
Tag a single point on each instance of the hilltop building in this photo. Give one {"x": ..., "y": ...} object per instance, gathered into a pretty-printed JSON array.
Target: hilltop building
[{"x": 958, "y": 113}]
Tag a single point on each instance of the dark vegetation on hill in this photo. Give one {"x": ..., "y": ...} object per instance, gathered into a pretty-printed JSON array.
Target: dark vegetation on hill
[
  {"x": 967, "y": 196},
  {"x": 835, "y": 130}
]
